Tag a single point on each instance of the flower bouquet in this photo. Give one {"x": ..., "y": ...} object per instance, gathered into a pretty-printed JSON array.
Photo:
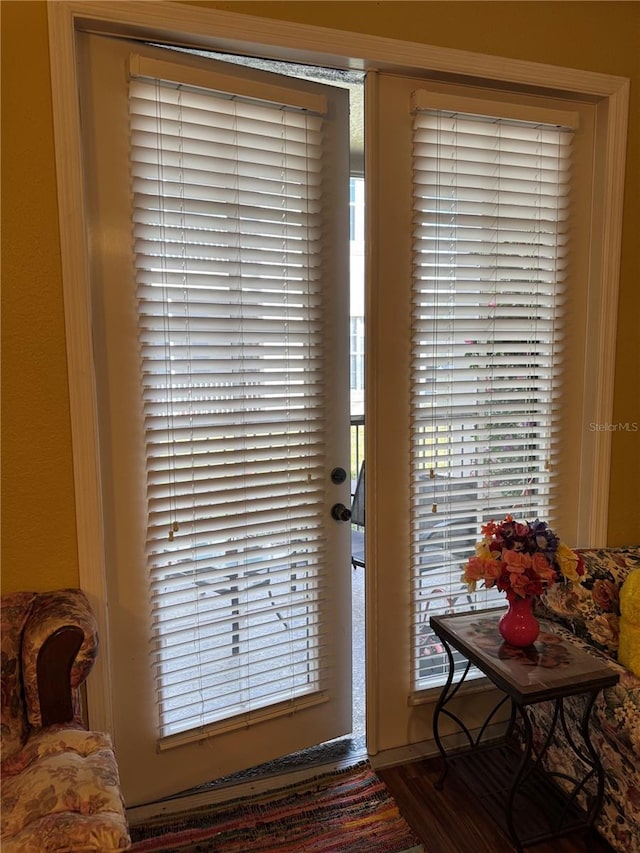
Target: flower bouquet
[{"x": 521, "y": 559}]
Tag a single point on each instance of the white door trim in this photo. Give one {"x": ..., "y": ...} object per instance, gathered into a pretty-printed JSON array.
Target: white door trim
[{"x": 322, "y": 46}]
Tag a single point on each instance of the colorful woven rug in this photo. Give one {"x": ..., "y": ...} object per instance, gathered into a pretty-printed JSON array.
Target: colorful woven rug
[{"x": 350, "y": 811}]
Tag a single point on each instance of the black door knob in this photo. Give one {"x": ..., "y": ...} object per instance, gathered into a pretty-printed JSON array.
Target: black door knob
[
  {"x": 338, "y": 475},
  {"x": 341, "y": 512}
]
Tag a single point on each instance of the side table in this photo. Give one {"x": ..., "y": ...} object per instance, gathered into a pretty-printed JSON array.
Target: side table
[{"x": 507, "y": 776}]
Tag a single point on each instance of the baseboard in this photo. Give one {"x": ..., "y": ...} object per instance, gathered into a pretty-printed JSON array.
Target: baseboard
[{"x": 429, "y": 749}]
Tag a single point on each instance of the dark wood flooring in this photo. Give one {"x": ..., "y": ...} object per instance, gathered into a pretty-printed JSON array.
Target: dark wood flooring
[{"x": 449, "y": 821}]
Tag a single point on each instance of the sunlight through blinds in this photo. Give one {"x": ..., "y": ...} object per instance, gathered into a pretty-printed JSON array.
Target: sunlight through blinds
[
  {"x": 491, "y": 201},
  {"x": 227, "y": 206}
]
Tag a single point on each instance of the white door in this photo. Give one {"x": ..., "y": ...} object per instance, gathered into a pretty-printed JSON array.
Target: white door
[
  {"x": 217, "y": 208},
  {"x": 472, "y": 296}
]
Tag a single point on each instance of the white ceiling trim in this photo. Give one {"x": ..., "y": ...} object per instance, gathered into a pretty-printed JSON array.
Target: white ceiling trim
[{"x": 197, "y": 26}]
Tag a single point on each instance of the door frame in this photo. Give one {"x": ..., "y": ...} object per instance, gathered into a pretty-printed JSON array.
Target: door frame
[{"x": 272, "y": 39}]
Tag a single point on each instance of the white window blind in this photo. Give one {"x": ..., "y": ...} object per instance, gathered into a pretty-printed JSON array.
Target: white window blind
[
  {"x": 491, "y": 199},
  {"x": 227, "y": 200}
]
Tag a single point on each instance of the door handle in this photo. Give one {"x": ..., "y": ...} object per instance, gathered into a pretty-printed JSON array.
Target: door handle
[{"x": 340, "y": 512}]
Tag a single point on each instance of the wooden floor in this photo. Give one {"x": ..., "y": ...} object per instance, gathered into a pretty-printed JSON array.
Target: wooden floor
[{"x": 447, "y": 821}]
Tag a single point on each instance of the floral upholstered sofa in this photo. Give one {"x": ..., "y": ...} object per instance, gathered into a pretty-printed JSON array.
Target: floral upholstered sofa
[
  {"x": 60, "y": 785},
  {"x": 590, "y": 611}
]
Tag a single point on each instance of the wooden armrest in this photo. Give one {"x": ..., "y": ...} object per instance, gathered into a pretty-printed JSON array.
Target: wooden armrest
[
  {"x": 55, "y": 660},
  {"x": 52, "y": 656}
]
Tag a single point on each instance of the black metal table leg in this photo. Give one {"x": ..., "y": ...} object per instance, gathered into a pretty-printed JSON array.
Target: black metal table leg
[{"x": 448, "y": 692}]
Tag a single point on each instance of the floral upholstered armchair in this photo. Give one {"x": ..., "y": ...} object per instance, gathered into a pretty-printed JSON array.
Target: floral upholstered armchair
[{"x": 60, "y": 785}]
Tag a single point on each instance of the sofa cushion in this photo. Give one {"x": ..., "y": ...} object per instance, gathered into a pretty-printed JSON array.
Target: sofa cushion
[
  {"x": 591, "y": 609},
  {"x": 53, "y": 740},
  {"x": 14, "y": 611},
  {"x": 63, "y": 794},
  {"x": 70, "y": 832}
]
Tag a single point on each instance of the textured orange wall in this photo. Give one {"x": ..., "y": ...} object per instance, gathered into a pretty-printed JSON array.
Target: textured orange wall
[
  {"x": 599, "y": 36},
  {"x": 38, "y": 521}
]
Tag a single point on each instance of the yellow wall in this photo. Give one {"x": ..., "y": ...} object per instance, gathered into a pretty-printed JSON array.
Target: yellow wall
[
  {"x": 38, "y": 523},
  {"x": 38, "y": 520}
]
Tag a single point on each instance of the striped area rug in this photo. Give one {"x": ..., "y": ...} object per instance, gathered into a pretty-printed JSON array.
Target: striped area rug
[{"x": 347, "y": 811}]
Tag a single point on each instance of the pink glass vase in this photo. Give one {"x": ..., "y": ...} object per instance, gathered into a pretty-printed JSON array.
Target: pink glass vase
[{"x": 518, "y": 626}]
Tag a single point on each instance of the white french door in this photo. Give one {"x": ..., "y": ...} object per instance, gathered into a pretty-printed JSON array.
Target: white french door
[
  {"x": 218, "y": 232},
  {"x": 462, "y": 289}
]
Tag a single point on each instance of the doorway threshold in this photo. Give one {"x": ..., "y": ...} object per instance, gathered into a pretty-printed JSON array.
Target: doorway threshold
[
  {"x": 326, "y": 757},
  {"x": 341, "y": 752}
]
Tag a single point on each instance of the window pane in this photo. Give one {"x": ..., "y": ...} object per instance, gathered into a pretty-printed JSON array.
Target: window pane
[
  {"x": 490, "y": 205},
  {"x": 227, "y": 225}
]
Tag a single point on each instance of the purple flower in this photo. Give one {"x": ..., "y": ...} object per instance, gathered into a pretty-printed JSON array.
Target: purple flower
[{"x": 544, "y": 540}]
